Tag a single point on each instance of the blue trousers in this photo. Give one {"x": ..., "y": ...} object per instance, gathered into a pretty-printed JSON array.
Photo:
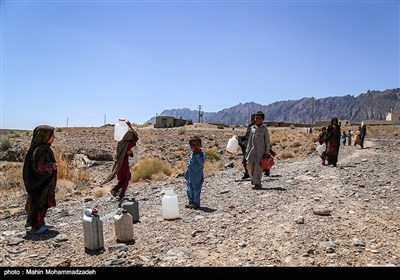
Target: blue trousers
[{"x": 193, "y": 192}]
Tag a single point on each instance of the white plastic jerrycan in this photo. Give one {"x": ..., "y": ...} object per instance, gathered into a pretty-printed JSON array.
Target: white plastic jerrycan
[
  {"x": 93, "y": 230},
  {"x": 120, "y": 128},
  {"x": 321, "y": 148},
  {"x": 123, "y": 225},
  {"x": 233, "y": 145},
  {"x": 170, "y": 205}
]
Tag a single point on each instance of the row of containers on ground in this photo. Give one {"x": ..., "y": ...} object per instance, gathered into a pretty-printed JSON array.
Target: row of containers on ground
[
  {"x": 126, "y": 215},
  {"x": 128, "y": 211}
]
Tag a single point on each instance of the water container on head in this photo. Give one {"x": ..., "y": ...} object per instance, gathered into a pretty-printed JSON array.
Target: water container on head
[
  {"x": 232, "y": 145},
  {"x": 123, "y": 225},
  {"x": 93, "y": 230},
  {"x": 132, "y": 205},
  {"x": 120, "y": 128},
  {"x": 170, "y": 205}
]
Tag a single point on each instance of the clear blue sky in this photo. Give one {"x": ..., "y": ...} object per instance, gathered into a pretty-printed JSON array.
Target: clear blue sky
[{"x": 84, "y": 60}]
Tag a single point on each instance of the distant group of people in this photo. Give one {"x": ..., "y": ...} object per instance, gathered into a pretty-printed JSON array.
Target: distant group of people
[{"x": 332, "y": 137}]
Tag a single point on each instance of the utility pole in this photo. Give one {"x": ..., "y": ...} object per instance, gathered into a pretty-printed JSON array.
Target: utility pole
[
  {"x": 105, "y": 119},
  {"x": 312, "y": 114},
  {"x": 200, "y": 113},
  {"x": 67, "y": 122}
]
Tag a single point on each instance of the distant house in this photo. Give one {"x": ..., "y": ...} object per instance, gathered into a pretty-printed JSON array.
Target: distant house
[
  {"x": 391, "y": 118},
  {"x": 168, "y": 121}
]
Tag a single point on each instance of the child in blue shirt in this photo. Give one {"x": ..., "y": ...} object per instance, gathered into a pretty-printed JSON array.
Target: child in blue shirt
[
  {"x": 194, "y": 174},
  {"x": 344, "y": 138}
]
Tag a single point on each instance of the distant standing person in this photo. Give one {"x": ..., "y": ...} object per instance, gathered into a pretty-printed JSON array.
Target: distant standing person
[
  {"x": 243, "y": 143},
  {"x": 363, "y": 133},
  {"x": 349, "y": 135},
  {"x": 40, "y": 178},
  {"x": 121, "y": 164},
  {"x": 194, "y": 173},
  {"x": 344, "y": 138},
  {"x": 357, "y": 139},
  {"x": 332, "y": 140},
  {"x": 258, "y": 147}
]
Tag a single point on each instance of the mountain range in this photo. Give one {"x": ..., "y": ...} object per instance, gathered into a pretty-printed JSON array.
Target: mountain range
[{"x": 372, "y": 105}]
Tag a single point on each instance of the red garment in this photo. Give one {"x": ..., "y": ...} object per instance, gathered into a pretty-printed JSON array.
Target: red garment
[{"x": 124, "y": 173}]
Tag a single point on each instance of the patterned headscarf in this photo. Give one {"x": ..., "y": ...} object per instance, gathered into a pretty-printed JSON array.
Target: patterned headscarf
[
  {"x": 41, "y": 134},
  {"x": 35, "y": 181}
]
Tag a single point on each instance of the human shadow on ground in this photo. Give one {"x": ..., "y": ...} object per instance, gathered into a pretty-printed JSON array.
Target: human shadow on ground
[
  {"x": 49, "y": 234},
  {"x": 271, "y": 189},
  {"x": 206, "y": 209}
]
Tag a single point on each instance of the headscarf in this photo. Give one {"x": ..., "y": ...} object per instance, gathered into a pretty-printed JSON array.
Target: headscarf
[
  {"x": 34, "y": 180},
  {"x": 121, "y": 152}
]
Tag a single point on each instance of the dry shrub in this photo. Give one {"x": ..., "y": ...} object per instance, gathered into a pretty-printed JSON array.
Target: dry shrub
[
  {"x": 181, "y": 130},
  {"x": 99, "y": 192},
  {"x": 312, "y": 146},
  {"x": 296, "y": 144},
  {"x": 11, "y": 182},
  {"x": 212, "y": 154},
  {"x": 285, "y": 154},
  {"x": 146, "y": 168},
  {"x": 180, "y": 154},
  {"x": 314, "y": 138},
  {"x": 275, "y": 139},
  {"x": 159, "y": 176},
  {"x": 181, "y": 166},
  {"x": 67, "y": 172},
  {"x": 211, "y": 166},
  {"x": 65, "y": 189}
]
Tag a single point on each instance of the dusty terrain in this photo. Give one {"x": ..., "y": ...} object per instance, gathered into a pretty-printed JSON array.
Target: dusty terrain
[{"x": 305, "y": 215}]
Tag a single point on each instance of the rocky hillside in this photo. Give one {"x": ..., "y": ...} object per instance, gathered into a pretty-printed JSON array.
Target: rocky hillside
[
  {"x": 306, "y": 214},
  {"x": 373, "y": 105}
]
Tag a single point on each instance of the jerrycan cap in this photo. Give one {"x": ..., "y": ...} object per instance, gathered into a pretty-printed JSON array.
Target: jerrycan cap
[{"x": 95, "y": 212}]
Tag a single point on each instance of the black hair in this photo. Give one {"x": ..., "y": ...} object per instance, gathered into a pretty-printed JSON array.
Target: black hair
[
  {"x": 261, "y": 114},
  {"x": 335, "y": 119},
  {"x": 194, "y": 139}
]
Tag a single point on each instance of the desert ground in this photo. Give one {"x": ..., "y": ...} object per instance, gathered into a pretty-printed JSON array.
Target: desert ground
[{"x": 305, "y": 215}]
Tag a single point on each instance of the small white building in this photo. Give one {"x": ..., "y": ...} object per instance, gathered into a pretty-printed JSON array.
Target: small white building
[{"x": 391, "y": 118}]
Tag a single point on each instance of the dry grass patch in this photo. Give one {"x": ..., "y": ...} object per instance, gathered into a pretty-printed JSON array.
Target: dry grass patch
[
  {"x": 211, "y": 167},
  {"x": 99, "y": 192},
  {"x": 12, "y": 187},
  {"x": 285, "y": 154},
  {"x": 64, "y": 190},
  {"x": 67, "y": 172},
  {"x": 151, "y": 169},
  {"x": 212, "y": 154}
]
